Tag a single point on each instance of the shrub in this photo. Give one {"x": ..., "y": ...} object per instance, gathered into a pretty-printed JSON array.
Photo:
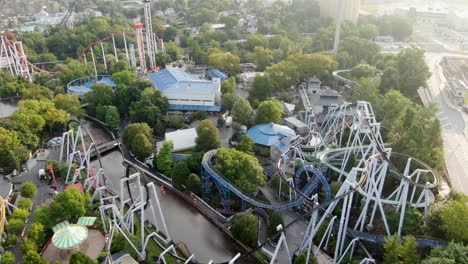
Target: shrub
[
  {"x": 15, "y": 226},
  {"x": 8, "y": 258},
  {"x": 193, "y": 183},
  {"x": 245, "y": 228},
  {"x": 24, "y": 203},
  {"x": 21, "y": 214},
  {"x": 180, "y": 172},
  {"x": 28, "y": 189},
  {"x": 79, "y": 257}
]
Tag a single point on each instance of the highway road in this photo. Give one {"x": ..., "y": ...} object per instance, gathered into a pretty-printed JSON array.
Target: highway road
[{"x": 453, "y": 123}]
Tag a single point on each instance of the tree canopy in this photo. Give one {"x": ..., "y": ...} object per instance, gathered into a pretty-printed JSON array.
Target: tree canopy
[
  {"x": 241, "y": 112},
  {"x": 241, "y": 168},
  {"x": 244, "y": 228},
  {"x": 208, "y": 136},
  {"x": 269, "y": 111}
]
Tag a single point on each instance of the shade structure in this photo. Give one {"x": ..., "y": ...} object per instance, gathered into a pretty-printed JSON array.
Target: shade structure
[
  {"x": 70, "y": 236},
  {"x": 86, "y": 220},
  {"x": 60, "y": 225}
]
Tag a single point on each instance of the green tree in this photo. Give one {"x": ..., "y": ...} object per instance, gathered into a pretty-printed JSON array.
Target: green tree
[
  {"x": 79, "y": 257},
  {"x": 13, "y": 151},
  {"x": 391, "y": 249},
  {"x": 275, "y": 219},
  {"x": 196, "y": 53},
  {"x": 21, "y": 214},
  {"x": 241, "y": 168},
  {"x": 359, "y": 49},
  {"x": 125, "y": 77},
  {"x": 226, "y": 62},
  {"x": 32, "y": 257},
  {"x": 69, "y": 103},
  {"x": 36, "y": 233},
  {"x": 262, "y": 57},
  {"x": 363, "y": 71},
  {"x": 208, "y": 136},
  {"x": 245, "y": 144},
  {"x": 15, "y": 226},
  {"x": 261, "y": 88},
  {"x": 453, "y": 216},
  {"x": 164, "y": 158},
  {"x": 151, "y": 109},
  {"x": 100, "y": 94},
  {"x": 173, "y": 50},
  {"x": 24, "y": 203},
  {"x": 67, "y": 205},
  {"x": 245, "y": 228},
  {"x": 242, "y": 112},
  {"x": 412, "y": 223},
  {"x": 28, "y": 189},
  {"x": 228, "y": 101},
  {"x": 390, "y": 79},
  {"x": 269, "y": 111},
  {"x": 112, "y": 117},
  {"x": 284, "y": 74},
  {"x": 256, "y": 40},
  {"x": 36, "y": 114},
  {"x": 141, "y": 147},
  {"x": 368, "y": 31},
  {"x": 453, "y": 253},
  {"x": 180, "y": 173},
  {"x": 229, "y": 86},
  {"x": 193, "y": 183},
  {"x": 413, "y": 71},
  {"x": 8, "y": 258},
  {"x": 37, "y": 92},
  {"x": 409, "y": 251},
  {"x": 367, "y": 90},
  {"x": 133, "y": 129}
]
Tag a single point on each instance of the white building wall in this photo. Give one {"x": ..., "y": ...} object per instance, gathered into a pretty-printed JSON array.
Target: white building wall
[{"x": 190, "y": 99}]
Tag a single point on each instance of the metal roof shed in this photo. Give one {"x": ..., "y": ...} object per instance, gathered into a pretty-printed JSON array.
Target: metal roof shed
[{"x": 182, "y": 139}]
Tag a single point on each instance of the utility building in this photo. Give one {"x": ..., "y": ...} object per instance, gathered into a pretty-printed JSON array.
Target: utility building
[{"x": 187, "y": 91}]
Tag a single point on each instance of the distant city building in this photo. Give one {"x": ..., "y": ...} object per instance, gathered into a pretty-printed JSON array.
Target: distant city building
[
  {"x": 329, "y": 8},
  {"x": 188, "y": 91}
]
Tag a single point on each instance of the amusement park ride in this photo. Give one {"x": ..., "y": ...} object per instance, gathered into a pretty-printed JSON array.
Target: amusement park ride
[
  {"x": 346, "y": 131},
  {"x": 373, "y": 182},
  {"x": 14, "y": 59}
]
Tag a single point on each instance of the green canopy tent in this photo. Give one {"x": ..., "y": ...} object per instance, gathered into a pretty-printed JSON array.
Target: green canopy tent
[
  {"x": 86, "y": 220},
  {"x": 70, "y": 236},
  {"x": 60, "y": 225}
]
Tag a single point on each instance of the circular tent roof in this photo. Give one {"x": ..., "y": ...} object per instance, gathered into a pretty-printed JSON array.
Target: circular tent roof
[
  {"x": 70, "y": 236},
  {"x": 269, "y": 134}
]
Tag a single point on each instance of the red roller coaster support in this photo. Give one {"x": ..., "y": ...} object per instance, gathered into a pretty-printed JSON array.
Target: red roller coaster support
[{"x": 51, "y": 170}]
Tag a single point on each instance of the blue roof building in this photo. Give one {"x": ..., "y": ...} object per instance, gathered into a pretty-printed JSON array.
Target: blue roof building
[
  {"x": 187, "y": 91},
  {"x": 276, "y": 137},
  {"x": 215, "y": 73}
]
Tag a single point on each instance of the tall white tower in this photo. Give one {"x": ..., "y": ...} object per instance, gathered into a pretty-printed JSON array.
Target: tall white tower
[
  {"x": 339, "y": 19},
  {"x": 141, "y": 47},
  {"x": 150, "y": 44}
]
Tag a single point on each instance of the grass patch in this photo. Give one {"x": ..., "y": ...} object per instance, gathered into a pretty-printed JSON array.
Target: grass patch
[
  {"x": 152, "y": 250},
  {"x": 260, "y": 256}
]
